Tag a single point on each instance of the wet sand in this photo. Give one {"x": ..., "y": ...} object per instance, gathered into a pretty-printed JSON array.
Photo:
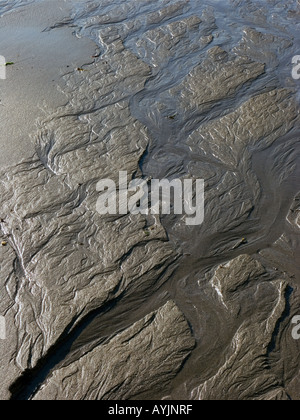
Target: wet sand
[
  {"x": 32, "y": 84},
  {"x": 175, "y": 89}
]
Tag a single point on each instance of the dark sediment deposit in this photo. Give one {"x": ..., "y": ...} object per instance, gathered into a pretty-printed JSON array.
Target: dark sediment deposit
[{"x": 145, "y": 307}]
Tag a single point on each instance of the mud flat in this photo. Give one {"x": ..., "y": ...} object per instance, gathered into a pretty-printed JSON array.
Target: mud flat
[
  {"x": 131, "y": 307},
  {"x": 40, "y": 58}
]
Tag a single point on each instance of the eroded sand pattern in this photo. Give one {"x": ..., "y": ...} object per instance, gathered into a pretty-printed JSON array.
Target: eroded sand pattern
[{"x": 131, "y": 307}]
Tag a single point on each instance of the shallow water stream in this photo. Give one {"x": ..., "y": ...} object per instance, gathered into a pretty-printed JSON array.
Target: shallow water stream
[{"x": 219, "y": 103}]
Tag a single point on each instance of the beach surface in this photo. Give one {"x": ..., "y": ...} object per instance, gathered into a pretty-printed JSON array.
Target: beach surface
[
  {"x": 144, "y": 306},
  {"x": 40, "y": 56}
]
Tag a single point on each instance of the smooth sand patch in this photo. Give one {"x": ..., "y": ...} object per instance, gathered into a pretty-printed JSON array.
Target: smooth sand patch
[{"x": 41, "y": 58}]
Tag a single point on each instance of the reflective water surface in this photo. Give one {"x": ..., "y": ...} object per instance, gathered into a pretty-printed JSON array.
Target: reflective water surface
[{"x": 218, "y": 103}]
